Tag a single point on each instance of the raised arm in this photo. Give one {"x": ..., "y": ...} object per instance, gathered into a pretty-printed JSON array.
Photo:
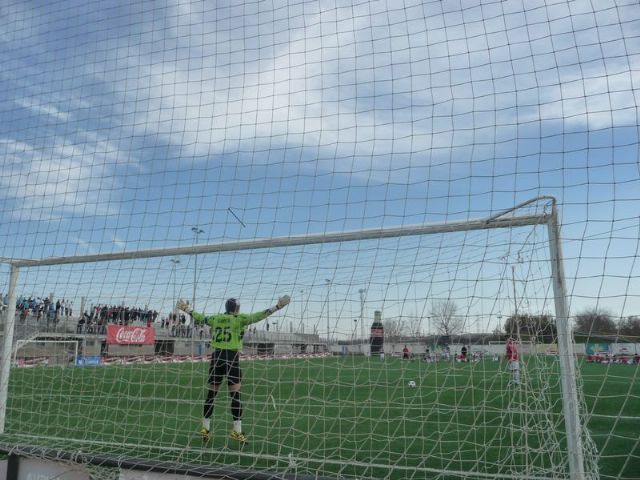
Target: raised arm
[{"x": 256, "y": 317}]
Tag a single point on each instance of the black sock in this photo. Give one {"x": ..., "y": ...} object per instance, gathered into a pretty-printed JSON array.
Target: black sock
[
  {"x": 236, "y": 405},
  {"x": 208, "y": 404}
]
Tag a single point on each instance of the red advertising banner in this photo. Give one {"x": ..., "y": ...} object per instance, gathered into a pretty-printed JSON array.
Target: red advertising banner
[{"x": 125, "y": 335}]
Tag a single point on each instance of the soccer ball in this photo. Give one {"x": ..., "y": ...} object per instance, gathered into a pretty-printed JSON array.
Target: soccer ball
[{"x": 412, "y": 384}]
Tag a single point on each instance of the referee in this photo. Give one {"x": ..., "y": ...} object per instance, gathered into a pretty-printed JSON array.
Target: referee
[{"x": 227, "y": 330}]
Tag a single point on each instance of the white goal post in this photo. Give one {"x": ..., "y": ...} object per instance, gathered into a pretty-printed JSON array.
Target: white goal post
[{"x": 505, "y": 219}]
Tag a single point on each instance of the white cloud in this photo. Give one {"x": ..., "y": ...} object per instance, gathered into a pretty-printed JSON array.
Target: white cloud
[
  {"x": 48, "y": 183},
  {"x": 307, "y": 85},
  {"x": 38, "y": 108},
  {"x": 366, "y": 80},
  {"x": 120, "y": 243}
]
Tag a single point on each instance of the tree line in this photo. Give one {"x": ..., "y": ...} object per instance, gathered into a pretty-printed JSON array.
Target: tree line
[
  {"x": 586, "y": 323},
  {"x": 589, "y": 322}
]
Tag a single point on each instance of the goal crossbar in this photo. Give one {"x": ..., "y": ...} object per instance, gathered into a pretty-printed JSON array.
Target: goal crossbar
[{"x": 294, "y": 240}]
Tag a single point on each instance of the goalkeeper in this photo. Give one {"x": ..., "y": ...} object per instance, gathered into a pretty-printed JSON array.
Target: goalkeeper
[{"x": 227, "y": 330}]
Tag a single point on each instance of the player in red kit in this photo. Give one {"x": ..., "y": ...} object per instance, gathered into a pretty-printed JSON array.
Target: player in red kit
[
  {"x": 514, "y": 362},
  {"x": 406, "y": 354}
]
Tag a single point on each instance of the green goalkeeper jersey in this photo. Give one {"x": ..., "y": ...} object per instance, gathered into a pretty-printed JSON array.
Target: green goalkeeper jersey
[{"x": 227, "y": 330}]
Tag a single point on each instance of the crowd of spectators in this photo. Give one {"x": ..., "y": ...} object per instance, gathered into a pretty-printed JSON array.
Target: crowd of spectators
[
  {"x": 179, "y": 325},
  {"x": 96, "y": 318},
  {"x": 42, "y": 308}
]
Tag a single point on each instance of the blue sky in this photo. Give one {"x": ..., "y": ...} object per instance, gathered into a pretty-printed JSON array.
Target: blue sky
[{"x": 124, "y": 124}]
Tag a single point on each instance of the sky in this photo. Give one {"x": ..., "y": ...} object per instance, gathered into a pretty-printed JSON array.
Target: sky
[{"x": 125, "y": 124}]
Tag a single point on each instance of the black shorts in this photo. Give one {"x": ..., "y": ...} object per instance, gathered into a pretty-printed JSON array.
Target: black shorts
[{"x": 225, "y": 363}]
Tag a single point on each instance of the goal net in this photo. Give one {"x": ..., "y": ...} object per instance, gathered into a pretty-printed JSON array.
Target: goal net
[
  {"x": 316, "y": 401},
  {"x": 425, "y": 179}
]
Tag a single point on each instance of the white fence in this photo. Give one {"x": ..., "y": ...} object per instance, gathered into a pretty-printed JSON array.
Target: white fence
[{"x": 419, "y": 349}]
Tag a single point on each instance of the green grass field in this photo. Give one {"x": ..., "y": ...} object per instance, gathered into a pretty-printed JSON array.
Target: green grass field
[{"x": 355, "y": 417}]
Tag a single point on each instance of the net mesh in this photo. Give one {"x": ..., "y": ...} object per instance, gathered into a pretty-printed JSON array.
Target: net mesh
[
  {"x": 128, "y": 126},
  {"x": 316, "y": 400}
]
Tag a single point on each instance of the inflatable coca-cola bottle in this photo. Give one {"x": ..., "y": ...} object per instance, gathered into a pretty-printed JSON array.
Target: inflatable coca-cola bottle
[{"x": 377, "y": 334}]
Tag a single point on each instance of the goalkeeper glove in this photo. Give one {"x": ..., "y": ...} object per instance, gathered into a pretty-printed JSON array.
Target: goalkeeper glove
[
  {"x": 183, "y": 305},
  {"x": 282, "y": 302}
]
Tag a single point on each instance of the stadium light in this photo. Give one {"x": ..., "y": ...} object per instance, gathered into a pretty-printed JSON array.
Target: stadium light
[
  {"x": 328, "y": 282},
  {"x": 197, "y": 231},
  {"x": 301, "y": 311},
  {"x": 513, "y": 281},
  {"x": 175, "y": 262},
  {"x": 362, "y": 292}
]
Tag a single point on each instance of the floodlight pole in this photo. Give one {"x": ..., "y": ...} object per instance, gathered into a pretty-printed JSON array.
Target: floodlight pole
[
  {"x": 566, "y": 352},
  {"x": 328, "y": 282},
  {"x": 197, "y": 231},
  {"x": 175, "y": 262},
  {"x": 7, "y": 347},
  {"x": 361, "y": 292},
  {"x": 515, "y": 300},
  {"x": 301, "y": 311}
]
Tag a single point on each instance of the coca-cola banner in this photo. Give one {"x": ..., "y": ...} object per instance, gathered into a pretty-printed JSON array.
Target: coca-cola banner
[{"x": 125, "y": 335}]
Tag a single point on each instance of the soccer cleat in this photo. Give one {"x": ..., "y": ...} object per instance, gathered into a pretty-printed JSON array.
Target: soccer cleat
[
  {"x": 239, "y": 436},
  {"x": 204, "y": 431}
]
